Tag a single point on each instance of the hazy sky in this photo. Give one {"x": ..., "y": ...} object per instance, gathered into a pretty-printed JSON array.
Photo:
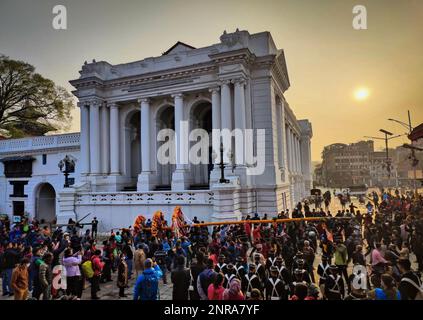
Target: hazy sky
[{"x": 327, "y": 59}]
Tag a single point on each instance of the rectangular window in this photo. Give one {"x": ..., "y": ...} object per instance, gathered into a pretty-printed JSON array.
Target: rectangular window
[{"x": 44, "y": 159}]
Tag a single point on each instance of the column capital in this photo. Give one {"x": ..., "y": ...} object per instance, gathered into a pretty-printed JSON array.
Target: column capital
[
  {"x": 112, "y": 105},
  {"x": 214, "y": 89},
  {"x": 95, "y": 102},
  {"x": 225, "y": 81},
  {"x": 143, "y": 100},
  {"x": 82, "y": 103},
  {"x": 177, "y": 95},
  {"x": 239, "y": 81}
]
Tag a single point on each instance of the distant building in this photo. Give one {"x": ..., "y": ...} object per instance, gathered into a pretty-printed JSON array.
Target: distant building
[
  {"x": 358, "y": 163},
  {"x": 346, "y": 165}
]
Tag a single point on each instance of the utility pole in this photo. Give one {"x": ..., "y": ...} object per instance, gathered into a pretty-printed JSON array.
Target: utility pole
[
  {"x": 413, "y": 159},
  {"x": 388, "y": 136}
]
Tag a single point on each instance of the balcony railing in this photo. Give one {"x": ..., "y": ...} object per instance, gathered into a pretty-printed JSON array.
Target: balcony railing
[
  {"x": 200, "y": 197},
  {"x": 37, "y": 143}
]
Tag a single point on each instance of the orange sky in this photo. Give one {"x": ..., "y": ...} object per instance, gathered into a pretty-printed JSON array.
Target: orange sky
[{"x": 327, "y": 59}]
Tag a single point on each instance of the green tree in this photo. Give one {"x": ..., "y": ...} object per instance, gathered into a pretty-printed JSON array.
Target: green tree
[{"x": 30, "y": 105}]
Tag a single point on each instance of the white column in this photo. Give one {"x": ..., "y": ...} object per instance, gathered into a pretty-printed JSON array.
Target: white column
[
  {"x": 226, "y": 119},
  {"x": 179, "y": 179},
  {"x": 283, "y": 145},
  {"x": 240, "y": 118},
  {"x": 145, "y": 177},
  {"x": 85, "y": 139},
  {"x": 292, "y": 151},
  {"x": 215, "y": 108},
  {"x": 179, "y": 143},
  {"x": 95, "y": 137},
  {"x": 114, "y": 140},
  {"x": 294, "y": 144},
  {"x": 299, "y": 155},
  {"x": 145, "y": 135},
  {"x": 216, "y": 126},
  {"x": 288, "y": 149},
  {"x": 105, "y": 140},
  {"x": 295, "y": 140}
]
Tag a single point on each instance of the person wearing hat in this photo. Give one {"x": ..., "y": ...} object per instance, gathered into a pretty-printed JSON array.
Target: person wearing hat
[
  {"x": 323, "y": 272},
  {"x": 229, "y": 275},
  {"x": 298, "y": 256},
  {"x": 301, "y": 265},
  {"x": 271, "y": 259},
  {"x": 221, "y": 266},
  {"x": 260, "y": 268},
  {"x": 275, "y": 288},
  {"x": 298, "y": 278},
  {"x": 334, "y": 285},
  {"x": 283, "y": 272},
  {"x": 251, "y": 281},
  {"x": 239, "y": 268}
]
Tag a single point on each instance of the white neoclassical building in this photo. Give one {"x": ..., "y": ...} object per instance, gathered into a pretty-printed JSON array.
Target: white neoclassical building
[{"x": 238, "y": 83}]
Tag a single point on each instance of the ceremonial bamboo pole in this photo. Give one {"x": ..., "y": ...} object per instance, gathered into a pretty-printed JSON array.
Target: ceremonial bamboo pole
[{"x": 216, "y": 223}]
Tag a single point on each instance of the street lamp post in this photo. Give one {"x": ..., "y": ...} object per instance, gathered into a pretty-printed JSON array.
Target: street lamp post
[
  {"x": 413, "y": 158},
  {"x": 388, "y": 136},
  {"x": 222, "y": 166},
  {"x": 66, "y": 166}
]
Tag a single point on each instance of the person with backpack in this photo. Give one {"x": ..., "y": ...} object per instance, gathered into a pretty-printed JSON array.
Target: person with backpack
[
  {"x": 147, "y": 285},
  {"x": 410, "y": 286},
  {"x": 181, "y": 279},
  {"x": 97, "y": 267},
  {"x": 204, "y": 280}
]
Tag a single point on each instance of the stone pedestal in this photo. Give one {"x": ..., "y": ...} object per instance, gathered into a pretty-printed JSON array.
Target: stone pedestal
[
  {"x": 145, "y": 182},
  {"x": 66, "y": 205},
  {"x": 180, "y": 180},
  {"x": 227, "y": 200}
]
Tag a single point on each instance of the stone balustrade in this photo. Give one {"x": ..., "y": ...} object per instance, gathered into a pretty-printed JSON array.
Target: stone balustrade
[
  {"x": 198, "y": 197},
  {"x": 38, "y": 143}
]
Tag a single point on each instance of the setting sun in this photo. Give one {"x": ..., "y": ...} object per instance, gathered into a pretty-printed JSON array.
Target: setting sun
[{"x": 361, "y": 94}]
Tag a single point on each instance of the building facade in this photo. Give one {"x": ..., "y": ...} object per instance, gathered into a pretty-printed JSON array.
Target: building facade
[
  {"x": 238, "y": 83},
  {"x": 358, "y": 163}
]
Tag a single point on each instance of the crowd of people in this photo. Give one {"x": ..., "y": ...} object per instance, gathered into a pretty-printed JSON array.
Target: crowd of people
[{"x": 362, "y": 256}]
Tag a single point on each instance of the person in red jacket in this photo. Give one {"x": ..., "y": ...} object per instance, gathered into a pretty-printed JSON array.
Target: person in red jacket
[{"x": 97, "y": 268}]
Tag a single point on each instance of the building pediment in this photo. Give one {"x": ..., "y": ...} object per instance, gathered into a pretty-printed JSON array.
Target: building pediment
[{"x": 178, "y": 47}]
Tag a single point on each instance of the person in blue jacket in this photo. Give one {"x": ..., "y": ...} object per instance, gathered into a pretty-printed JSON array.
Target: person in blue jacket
[{"x": 147, "y": 285}]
